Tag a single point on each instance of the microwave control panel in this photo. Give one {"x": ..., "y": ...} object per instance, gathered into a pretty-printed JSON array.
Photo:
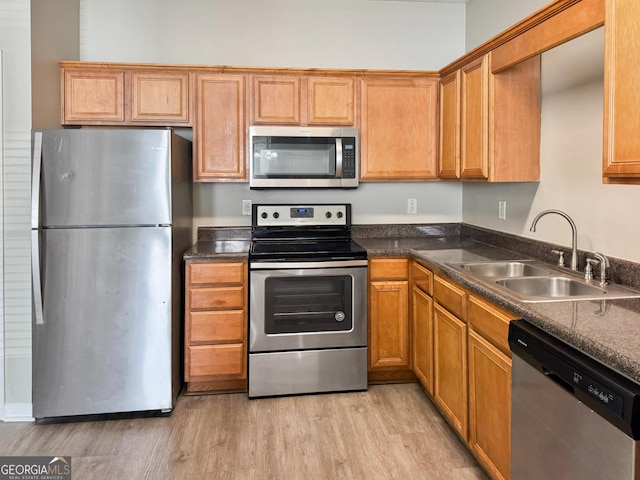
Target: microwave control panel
[{"x": 349, "y": 157}]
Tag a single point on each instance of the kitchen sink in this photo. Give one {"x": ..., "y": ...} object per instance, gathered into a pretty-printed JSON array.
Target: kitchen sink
[
  {"x": 508, "y": 269},
  {"x": 551, "y": 287},
  {"x": 531, "y": 281}
]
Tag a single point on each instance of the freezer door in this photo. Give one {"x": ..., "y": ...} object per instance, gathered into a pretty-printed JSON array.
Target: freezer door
[
  {"x": 105, "y": 343},
  {"x": 105, "y": 177}
]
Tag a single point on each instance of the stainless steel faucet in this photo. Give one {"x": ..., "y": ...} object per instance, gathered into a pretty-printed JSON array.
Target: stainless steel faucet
[
  {"x": 604, "y": 264},
  {"x": 574, "y": 233}
]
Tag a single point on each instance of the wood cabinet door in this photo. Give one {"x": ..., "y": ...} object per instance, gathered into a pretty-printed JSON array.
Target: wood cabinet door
[
  {"x": 276, "y": 100},
  {"x": 621, "y": 105},
  {"x": 422, "y": 338},
  {"x": 398, "y": 128},
  {"x": 389, "y": 325},
  {"x": 449, "y": 158},
  {"x": 489, "y": 406},
  {"x": 158, "y": 97},
  {"x": 93, "y": 97},
  {"x": 474, "y": 119},
  {"x": 450, "y": 368},
  {"x": 331, "y": 100},
  {"x": 220, "y": 130}
]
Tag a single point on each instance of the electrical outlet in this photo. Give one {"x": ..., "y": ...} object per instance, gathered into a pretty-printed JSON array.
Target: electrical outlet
[
  {"x": 246, "y": 207},
  {"x": 502, "y": 209},
  {"x": 412, "y": 205}
]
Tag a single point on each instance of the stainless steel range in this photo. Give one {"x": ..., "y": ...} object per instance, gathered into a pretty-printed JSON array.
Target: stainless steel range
[{"x": 308, "y": 302}]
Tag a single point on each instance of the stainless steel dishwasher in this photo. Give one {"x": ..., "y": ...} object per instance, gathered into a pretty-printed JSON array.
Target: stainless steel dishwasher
[{"x": 572, "y": 418}]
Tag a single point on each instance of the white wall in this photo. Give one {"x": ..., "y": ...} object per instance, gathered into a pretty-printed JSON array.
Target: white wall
[
  {"x": 16, "y": 45},
  {"x": 571, "y": 161},
  {"x": 347, "y": 34},
  {"x": 276, "y": 33},
  {"x": 487, "y": 18}
]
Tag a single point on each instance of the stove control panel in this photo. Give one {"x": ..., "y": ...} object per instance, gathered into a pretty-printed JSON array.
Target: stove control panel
[{"x": 297, "y": 215}]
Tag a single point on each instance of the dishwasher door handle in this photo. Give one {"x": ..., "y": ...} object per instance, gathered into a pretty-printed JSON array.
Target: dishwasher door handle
[{"x": 558, "y": 380}]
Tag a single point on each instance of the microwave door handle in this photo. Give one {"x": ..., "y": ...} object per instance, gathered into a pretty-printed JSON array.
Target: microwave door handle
[{"x": 338, "y": 158}]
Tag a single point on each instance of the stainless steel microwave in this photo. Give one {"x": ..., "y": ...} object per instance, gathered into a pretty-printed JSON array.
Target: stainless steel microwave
[{"x": 303, "y": 157}]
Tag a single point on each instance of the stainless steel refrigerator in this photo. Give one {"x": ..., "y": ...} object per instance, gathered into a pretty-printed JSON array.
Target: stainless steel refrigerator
[{"x": 111, "y": 218}]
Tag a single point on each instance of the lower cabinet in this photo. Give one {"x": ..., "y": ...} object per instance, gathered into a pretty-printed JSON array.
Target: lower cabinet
[
  {"x": 462, "y": 359},
  {"x": 490, "y": 386},
  {"x": 389, "y": 349},
  {"x": 215, "y": 326},
  {"x": 450, "y": 359},
  {"x": 422, "y": 337},
  {"x": 489, "y": 405}
]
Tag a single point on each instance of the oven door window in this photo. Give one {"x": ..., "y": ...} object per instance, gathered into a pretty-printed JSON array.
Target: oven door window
[
  {"x": 291, "y": 157},
  {"x": 308, "y": 304}
]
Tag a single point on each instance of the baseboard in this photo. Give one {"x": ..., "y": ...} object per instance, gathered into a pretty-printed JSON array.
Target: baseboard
[{"x": 18, "y": 412}]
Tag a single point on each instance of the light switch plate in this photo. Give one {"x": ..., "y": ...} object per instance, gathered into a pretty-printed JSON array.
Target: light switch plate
[
  {"x": 246, "y": 207},
  {"x": 502, "y": 209}
]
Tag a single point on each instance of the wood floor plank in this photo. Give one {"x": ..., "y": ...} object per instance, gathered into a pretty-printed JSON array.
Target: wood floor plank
[{"x": 388, "y": 432}]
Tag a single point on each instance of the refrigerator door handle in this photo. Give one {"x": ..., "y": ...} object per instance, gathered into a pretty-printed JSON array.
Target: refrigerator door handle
[
  {"x": 36, "y": 281},
  {"x": 35, "y": 179}
]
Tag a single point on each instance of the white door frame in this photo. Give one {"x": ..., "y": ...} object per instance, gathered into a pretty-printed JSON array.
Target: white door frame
[{"x": 2, "y": 289}]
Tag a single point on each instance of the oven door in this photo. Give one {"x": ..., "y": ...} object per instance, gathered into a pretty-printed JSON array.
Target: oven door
[{"x": 300, "y": 307}]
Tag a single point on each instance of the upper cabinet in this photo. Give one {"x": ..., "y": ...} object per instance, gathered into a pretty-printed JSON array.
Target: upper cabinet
[
  {"x": 490, "y": 123},
  {"x": 276, "y": 100},
  {"x": 160, "y": 97},
  {"x": 474, "y": 119},
  {"x": 220, "y": 128},
  {"x": 449, "y": 164},
  {"x": 109, "y": 96},
  {"x": 621, "y": 162},
  {"x": 331, "y": 101},
  {"x": 92, "y": 97},
  {"x": 302, "y": 100},
  {"x": 398, "y": 128}
]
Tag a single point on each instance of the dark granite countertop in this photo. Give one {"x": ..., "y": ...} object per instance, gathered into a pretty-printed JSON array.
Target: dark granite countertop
[
  {"x": 608, "y": 331},
  {"x": 210, "y": 249},
  {"x": 399, "y": 247}
]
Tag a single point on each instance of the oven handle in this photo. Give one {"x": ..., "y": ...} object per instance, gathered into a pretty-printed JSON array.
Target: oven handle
[{"x": 299, "y": 265}]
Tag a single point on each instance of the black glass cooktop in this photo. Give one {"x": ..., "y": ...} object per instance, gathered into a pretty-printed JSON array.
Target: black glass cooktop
[{"x": 301, "y": 249}]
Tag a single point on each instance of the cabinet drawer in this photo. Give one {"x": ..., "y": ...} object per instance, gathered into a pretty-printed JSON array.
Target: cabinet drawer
[
  {"x": 217, "y": 360},
  {"x": 491, "y": 322},
  {"x": 451, "y": 297},
  {"x": 225, "y": 326},
  {"x": 205, "y": 273},
  {"x": 422, "y": 278},
  {"x": 216, "y": 297},
  {"x": 389, "y": 268}
]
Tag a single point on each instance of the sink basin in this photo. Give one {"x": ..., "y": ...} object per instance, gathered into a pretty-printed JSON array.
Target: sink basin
[
  {"x": 506, "y": 269},
  {"x": 550, "y": 287},
  {"x": 561, "y": 288},
  {"x": 531, "y": 281}
]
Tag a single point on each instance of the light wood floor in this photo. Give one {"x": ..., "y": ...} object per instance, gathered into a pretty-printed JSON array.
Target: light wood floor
[{"x": 388, "y": 432}]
